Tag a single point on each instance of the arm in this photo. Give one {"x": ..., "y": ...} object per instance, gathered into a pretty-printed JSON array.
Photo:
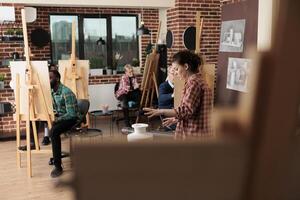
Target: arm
[
  {"x": 190, "y": 101},
  {"x": 71, "y": 107},
  {"x": 157, "y": 112},
  {"x": 123, "y": 88}
]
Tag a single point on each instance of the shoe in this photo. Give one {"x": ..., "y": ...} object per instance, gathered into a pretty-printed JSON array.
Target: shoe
[
  {"x": 56, "y": 172},
  {"x": 24, "y": 148},
  {"x": 46, "y": 141}
]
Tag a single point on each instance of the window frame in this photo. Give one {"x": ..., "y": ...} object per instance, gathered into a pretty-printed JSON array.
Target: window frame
[{"x": 108, "y": 18}]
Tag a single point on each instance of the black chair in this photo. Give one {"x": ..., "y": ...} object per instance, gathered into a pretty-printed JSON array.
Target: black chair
[{"x": 78, "y": 129}]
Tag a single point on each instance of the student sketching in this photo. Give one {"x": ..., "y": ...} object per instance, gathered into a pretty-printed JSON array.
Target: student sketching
[
  {"x": 128, "y": 91},
  {"x": 66, "y": 116},
  {"x": 193, "y": 114},
  {"x": 166, "y": 91}
]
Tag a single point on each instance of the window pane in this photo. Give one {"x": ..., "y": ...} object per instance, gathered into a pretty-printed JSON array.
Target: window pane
[
  {"x": 61, "y": 36},
  {"x": 95, "y": 42},
  {"x": 124, "y": 39}
]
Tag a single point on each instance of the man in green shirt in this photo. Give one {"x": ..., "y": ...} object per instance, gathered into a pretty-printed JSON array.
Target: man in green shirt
[{"x": 66, "y": 116}]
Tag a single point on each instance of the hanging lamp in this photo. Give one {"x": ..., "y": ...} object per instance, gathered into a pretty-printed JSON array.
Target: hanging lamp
[{"x": 142, "y": 30}]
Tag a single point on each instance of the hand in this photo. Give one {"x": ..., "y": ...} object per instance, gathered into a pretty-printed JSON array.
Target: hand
[
  {"x": 169, "y": 121},
  {"x": 152, "y": 112}
]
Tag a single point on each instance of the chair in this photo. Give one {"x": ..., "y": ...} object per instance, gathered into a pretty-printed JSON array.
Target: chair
[{"x": 78, "y": 129}]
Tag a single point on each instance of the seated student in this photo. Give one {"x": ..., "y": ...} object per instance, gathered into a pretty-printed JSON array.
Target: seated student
[
  {"x": 128, "y": 91},
  {"x": 193, "y": 114},
  {"x": 166, "y": 91},
  {"x": 66, "y": 116}
]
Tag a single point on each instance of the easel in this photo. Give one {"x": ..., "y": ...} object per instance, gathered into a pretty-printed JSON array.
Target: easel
[
  {"x": 32, "y": 114},
  {"x": 75, "y": 72},
  {"x": 149, "y": 82},
  {"x": 208, "y": 70}
]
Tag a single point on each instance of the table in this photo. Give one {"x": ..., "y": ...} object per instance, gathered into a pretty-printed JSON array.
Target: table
[{"x": 99, "y": 113}]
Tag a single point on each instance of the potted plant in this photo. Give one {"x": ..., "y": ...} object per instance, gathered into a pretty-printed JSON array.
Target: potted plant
[
  {"x": 2, "y": 77},
  {"x": 19, "y": 33},
  {"x": 9, "y": 34},
  {"x": 116, "y": 58},
  {"x": 108, "y": 70},
  {"x": 96, "y": 66}
]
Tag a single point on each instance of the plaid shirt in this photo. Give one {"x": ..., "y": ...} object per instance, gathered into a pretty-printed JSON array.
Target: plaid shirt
[
  {"x": 195, "y": 109},
  {"x": 124, "y": 86},
  {"x": 65, "y": 104}
]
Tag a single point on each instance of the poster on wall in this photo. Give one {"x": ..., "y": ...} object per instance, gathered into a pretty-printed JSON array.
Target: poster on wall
[
  {"x": 232, "y": 36},
  {"x": 238, "y": 74}
]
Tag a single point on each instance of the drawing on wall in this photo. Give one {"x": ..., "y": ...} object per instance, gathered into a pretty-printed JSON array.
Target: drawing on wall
[
  {"x": 238, "y": 74},
  {"x": 232, "y": 36}
]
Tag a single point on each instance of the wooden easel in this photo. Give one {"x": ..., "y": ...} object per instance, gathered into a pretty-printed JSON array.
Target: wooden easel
[
  {"x": 208, "y": 70},
  {"x": 149, "y": 84},
  {"x": 74, "y": 72},
  {"x": 32, "y": 87}
]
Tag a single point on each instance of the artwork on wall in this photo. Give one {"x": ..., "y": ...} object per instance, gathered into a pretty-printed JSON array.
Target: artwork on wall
[
  {"x": 238, "y": 74},
  {"x": 232, "y": 36}
]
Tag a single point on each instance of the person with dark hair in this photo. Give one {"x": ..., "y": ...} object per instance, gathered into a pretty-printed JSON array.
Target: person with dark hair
[
  {"x": 66, "y": 116},
  {"x": 193, "y": 114}
]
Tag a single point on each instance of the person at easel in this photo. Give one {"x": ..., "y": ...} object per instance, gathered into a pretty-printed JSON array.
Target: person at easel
[
  {"x": 66, "y": 116},
  {"x": 193, "y": 114}
]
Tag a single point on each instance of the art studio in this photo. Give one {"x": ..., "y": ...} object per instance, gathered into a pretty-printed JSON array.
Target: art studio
[{"x": 149, "y": 99}]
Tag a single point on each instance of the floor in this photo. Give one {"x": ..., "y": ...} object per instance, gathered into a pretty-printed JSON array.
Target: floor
[{"x": 14, "y": 184}]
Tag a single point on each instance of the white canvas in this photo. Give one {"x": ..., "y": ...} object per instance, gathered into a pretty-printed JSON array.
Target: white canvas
[
  {"x": 41, "y": 69},
  {"x": 7, "y": 13},
  {"x": 238, "y": 74},
  {"x": 232, "y": 36}
]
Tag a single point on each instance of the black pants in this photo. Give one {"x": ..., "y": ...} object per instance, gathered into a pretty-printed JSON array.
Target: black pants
[
  {"x": 57, "y": 129},
  {"x": 134, "y": 96}
]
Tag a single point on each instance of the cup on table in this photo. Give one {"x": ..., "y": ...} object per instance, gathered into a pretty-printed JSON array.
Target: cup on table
[{"x": 105, "y": 109}]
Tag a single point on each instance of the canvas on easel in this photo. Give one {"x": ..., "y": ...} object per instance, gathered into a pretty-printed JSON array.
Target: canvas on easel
[
  {"x": 149, "y": 84},
  {"x": 75, "y": 73},
  {"x": 31, "y": 84}
]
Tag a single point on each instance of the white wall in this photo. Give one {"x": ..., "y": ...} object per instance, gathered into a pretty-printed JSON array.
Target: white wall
[
  {"x": 102, "y": 94},
  {"x": 266, "y": 16},
  {"x": 101, "y": 3}
]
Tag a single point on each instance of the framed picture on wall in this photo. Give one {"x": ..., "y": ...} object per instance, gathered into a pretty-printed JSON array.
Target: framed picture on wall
[
  {"x": 238, "y": 74},
  {"x": 232, "y": 36}
]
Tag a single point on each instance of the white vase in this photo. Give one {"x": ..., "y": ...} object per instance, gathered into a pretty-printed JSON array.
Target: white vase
[
  {"x": 140, "y": 133},
  {"x": 109, "y": 71},
  {"x": 114, "y": 72}
]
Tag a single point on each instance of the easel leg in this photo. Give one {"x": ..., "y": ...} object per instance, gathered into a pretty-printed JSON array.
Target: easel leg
[
  {"x": 29, "y": 170},
  {"x": 18, "y": 135},
  {"x": 35, "y": 135}
]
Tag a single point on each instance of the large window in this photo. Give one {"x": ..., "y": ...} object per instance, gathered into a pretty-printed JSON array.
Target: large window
[
  {"x": 61, "y": 36},
  {"x": 98, "y": 39},
  {"x": 124, "y": 39}
]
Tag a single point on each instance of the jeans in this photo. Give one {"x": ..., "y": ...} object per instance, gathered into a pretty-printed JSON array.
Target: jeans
[{"x": 57, "y": 129}]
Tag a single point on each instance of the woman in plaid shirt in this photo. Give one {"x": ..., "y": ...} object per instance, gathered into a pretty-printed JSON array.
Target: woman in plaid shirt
[{"x": 193, "y": 114}]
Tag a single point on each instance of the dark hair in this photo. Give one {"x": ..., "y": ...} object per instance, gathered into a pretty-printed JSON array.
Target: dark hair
[
  {"x": 189, "y": 58},
  {"x": 56, "y": 74}
]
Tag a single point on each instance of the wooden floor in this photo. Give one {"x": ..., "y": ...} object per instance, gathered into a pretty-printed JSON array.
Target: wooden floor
[{"x": 14, "y": 184}]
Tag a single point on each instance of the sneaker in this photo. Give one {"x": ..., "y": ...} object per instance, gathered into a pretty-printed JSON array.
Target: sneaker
[
  {"x": 56, "y": 172},
  {"x": 46, "y": 141}
]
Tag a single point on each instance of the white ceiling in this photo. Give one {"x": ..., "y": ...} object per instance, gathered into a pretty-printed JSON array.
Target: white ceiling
[{"x": 98, "y": 3}]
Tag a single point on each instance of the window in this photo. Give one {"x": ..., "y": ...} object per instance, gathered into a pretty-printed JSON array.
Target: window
[
  {"x": 61, "y": 36},
  {"x": 95, "y": 39},
  {"x": 98, "y": 39},
  {"x": 124, "y": 39}
]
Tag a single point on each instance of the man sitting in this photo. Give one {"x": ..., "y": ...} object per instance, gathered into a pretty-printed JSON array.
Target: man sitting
[
  {"x": 66, "y": 116},
  {"x": 166, "y": 91},
  {"x": 128, "y": 91}
]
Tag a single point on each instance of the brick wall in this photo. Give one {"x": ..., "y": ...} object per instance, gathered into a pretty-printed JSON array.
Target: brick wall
[{"x": 183, "y": 15}]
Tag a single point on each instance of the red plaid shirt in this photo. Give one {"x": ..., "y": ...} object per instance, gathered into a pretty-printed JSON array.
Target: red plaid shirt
[
  {"x": 194, "y": 112},
  {"x": 124, "y": 86}
]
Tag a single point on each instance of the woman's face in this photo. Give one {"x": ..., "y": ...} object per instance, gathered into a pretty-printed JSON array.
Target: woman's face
[
  {"x": 180, "y": 70},
  {"x": 129, "y": 72}
]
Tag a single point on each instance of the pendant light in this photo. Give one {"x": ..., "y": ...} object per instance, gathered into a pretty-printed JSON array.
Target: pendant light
[{"x": 142, "y": 30}]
